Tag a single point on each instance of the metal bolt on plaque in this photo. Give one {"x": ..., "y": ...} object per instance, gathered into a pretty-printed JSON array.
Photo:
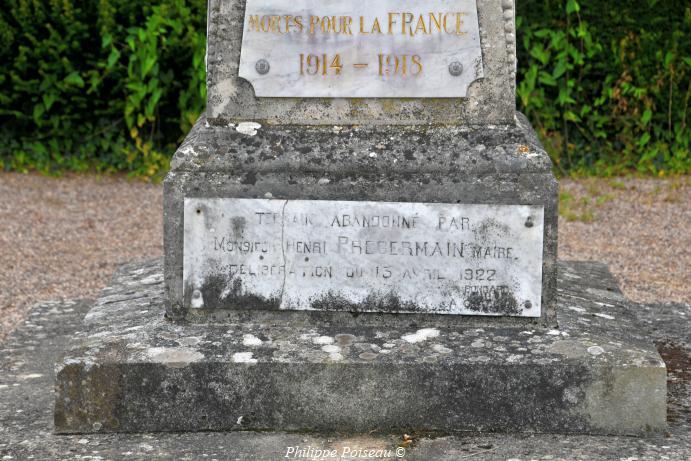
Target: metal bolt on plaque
[
  {"x": 455, "y": 68},
  {"x": 262, "y": 66}
]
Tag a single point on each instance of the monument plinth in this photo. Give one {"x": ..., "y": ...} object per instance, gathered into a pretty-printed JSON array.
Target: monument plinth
[
  {"x": 361, "y": 233},
  {"x": 362, "y": 160},
  {"x": 408, "y": 219}
]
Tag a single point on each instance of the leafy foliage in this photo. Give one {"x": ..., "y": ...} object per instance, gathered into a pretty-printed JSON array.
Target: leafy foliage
[
  {"x": 99, "y": 84},
  {"x": 114, "y": 85},
  {"x": 607, "y": 84}
]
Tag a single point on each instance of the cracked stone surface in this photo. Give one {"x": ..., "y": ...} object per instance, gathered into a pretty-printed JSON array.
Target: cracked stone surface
[{"x": 27, "y": 375}]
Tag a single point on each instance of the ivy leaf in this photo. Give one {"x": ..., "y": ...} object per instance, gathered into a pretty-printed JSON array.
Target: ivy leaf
[
  {"x": 539, "y": 53},
  {"x": 644, "y": 140},
  {"x": 571, "y": 116},
  {"x": 75, "y": 79},
  {"x": 647, "y": 116},
  {"x": 112, "y": 58},
  {"x": 147, "y": 65},
  {"x": 39, "y": 110},
  {"x": 572, "y": 6},
  {"x": 49, "y": 99},
  {"x": 547, "y": 79},
  {"x": 559, "y": 69},
  {"x": 669, "y": 57}
]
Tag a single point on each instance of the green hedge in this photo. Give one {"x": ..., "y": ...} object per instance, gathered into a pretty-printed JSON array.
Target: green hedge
[
  {"x": 607, "y": 83},
  {"x": 114, "y": 85},
  {"x": 109, "y": 85}
]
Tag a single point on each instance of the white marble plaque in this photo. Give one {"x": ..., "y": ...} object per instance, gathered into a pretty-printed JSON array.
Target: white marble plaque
[
  {"x": 363, "y": 256},
  {"x": 356, "y": 49}
]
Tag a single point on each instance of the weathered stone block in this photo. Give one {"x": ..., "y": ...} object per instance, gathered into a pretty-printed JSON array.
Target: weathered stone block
[
  {"x": 431, "y": 164},
  {"x": 131, "y": 370}
]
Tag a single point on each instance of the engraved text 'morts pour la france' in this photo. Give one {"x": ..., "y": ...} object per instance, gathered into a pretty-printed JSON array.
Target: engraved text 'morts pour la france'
[
  {"x": 363, "y": 256},
  {"x": 332, "y": 48}
]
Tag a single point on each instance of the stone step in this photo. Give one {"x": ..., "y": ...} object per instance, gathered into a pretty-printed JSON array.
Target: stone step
[{"x": 131, "y": 370}]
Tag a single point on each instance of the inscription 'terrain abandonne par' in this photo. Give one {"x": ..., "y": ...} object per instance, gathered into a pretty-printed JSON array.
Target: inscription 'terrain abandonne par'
[{"x": 363, "y": 256}]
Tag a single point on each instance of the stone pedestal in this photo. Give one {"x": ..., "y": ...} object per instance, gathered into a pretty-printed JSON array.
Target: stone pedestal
[
  {"x": 492, "y": 165},
  {"x": 130, "y": 370}
]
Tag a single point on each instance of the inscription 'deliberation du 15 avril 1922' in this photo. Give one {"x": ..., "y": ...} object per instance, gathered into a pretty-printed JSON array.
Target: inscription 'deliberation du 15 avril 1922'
[{"x": 364, "y": 256}]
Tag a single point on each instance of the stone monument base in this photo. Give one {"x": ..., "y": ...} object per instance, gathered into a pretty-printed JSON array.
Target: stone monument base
[
  {"x": 318, "y": 168},
  {"x": 131, "y": 370}
]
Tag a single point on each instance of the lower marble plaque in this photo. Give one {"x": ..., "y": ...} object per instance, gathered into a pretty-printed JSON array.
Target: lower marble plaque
[{"x": 363, "y": 256}]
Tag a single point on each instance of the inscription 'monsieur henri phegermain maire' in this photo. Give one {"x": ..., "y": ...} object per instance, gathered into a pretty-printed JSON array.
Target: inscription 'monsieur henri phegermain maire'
[
  {"x": 331, "y": 48},
  {"x": 363, "y": 256}
]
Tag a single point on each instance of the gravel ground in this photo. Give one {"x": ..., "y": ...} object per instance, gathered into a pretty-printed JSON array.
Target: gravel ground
[
  {"x": 63, "y": 238},
  {"x": 640, "y": 227}
]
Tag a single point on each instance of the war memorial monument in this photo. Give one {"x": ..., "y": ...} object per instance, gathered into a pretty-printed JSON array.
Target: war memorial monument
[{"x": 361, "y": 234}]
